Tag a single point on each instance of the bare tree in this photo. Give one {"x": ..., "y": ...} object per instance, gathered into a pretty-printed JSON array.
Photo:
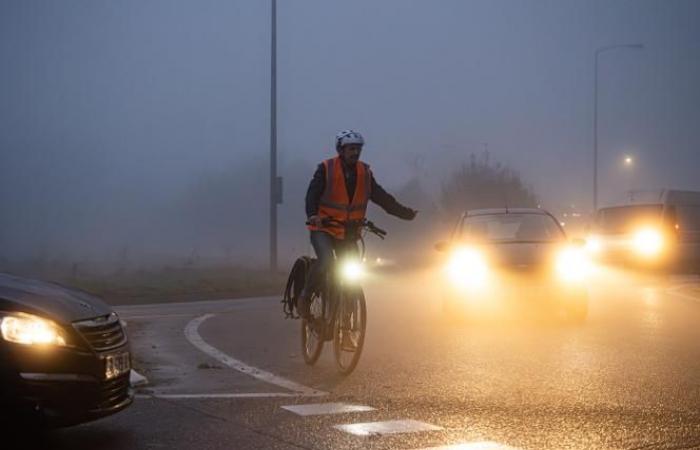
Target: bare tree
[{"x": 481, "y": 184}]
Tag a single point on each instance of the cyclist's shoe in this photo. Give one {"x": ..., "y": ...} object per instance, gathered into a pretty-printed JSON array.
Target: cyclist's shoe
[
  {"x": 304, "y": 306},
  {"x": 349, "y": 342}
]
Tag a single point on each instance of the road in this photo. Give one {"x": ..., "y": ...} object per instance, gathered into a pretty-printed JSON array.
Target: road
[{"x": 628, "y": 378}]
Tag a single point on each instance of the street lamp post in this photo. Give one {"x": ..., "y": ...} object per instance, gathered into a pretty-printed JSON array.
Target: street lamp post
[
  {"x": 628, "y": 163},
  {"x": 595, "y": 114},
  {"x": 275, "y": 181}
]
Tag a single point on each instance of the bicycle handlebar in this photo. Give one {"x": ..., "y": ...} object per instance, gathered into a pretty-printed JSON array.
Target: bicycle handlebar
[{"x": 364, "y": 223}]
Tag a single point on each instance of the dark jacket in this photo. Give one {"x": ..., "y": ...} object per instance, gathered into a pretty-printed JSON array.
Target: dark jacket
[{"x": 378, "y": 195}]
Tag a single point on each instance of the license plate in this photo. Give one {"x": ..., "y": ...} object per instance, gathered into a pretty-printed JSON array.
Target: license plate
[{"x": 117, "y": 364}]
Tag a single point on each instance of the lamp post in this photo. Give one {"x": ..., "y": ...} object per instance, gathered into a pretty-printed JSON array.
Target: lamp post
[
  {"x": 628, "y": 162},
  {"x": 595, "y": 114},
  {"x": 275, "y": 181}
]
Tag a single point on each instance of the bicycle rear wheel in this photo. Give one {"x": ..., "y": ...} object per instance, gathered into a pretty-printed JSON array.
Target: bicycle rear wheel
[
  {"x": 312, "y": 331},
  {"x": 350, "y": 327}
]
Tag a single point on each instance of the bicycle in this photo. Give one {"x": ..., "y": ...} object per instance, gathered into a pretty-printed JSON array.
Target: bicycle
[{"x": 339, "y": 310}]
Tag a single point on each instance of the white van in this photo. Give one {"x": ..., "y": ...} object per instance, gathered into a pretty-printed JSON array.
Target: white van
[{"x": 654, "y": 227}]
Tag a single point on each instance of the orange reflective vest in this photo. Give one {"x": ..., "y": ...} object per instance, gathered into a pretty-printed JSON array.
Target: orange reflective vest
[{"x": 335, "y": 203}]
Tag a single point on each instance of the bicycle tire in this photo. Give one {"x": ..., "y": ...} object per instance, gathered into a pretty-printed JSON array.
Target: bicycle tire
[
  {"x": 355, "y": 300},
  {"x": 312, "y": 340}
]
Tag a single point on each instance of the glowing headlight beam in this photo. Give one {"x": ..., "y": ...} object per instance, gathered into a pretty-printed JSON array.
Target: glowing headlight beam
[
  {"x": 467, "y": 268},
  {"x": 28, "y": 329},
  {"x": 572, "y": 265},
  {"x": 594, "y": 245},
  {"x": 352, "y": 270},
  {"x": 648, "y": 242}
]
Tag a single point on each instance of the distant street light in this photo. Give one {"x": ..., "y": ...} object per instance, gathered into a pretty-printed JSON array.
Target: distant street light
[
  {"x": 628, "y": 163},
  {"x": 595, "y": 114}
]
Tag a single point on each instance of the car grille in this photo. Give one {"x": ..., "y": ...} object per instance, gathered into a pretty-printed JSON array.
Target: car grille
[
  {"x": 113, "y": 392},
  {"x": 102, "y": 333}
]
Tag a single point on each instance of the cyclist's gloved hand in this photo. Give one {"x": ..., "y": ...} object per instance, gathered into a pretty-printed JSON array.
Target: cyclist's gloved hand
[
  {"x": 315, "y": 220},
  {"x": 409, "y": 214}
]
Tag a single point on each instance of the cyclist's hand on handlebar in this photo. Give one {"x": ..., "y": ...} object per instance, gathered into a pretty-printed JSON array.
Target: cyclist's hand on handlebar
[
  {"x": 315, "y": 220},
  {"x": 410, "y": 214}
]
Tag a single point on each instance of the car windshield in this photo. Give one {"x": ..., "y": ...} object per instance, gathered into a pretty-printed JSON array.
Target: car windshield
[
  {"x": 512, "y": 228},
  {"x": 624, "y": 219}
]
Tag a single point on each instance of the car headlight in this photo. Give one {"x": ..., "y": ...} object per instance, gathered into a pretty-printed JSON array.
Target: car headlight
[
  {"x": 352, "y": 270},
  {"x": 468, "y": 268},
  {"x": 648, "y": 242},
  {"x": 572, "y": 265},
  {"x": 594, "y": 245},
  {"x": 29, "y": 329}
]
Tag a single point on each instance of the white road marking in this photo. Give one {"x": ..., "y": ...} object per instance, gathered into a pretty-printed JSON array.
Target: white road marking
[
  {"x": 485, "y": 445},
  {"x": 136, "y": 379},
  {"x": 388, "y": 427},
  {"x": 222, "y": 395},
  {"x": 192, "y": 335},
  {"x": 318, "y": 409}
]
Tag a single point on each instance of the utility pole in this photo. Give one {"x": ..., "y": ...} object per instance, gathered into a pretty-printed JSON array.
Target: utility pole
[{"x": 275, "y": 183}]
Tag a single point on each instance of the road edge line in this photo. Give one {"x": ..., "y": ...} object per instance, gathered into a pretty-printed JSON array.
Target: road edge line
[
  {"x": 193, "y": 336},
  {"x": 136, "y": 379}
]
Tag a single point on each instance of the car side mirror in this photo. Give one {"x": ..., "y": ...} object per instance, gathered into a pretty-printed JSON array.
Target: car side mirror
[{"x": 442, "y": 246}]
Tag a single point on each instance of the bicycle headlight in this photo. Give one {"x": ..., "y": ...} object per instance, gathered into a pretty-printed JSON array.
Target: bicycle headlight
[
  {"x": 352, "y": 270},
  {"x": 28, "y": 329}
]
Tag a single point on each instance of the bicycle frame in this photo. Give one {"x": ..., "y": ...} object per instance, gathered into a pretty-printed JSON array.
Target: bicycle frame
[
  {"x": 343, "y": 314},
  {"x": 334, "y": 285}
]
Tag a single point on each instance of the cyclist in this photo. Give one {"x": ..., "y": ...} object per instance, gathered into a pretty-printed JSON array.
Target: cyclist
[{"x": 340, "y": 189}]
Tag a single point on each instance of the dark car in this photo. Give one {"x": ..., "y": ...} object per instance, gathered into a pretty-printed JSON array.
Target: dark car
[
  {"x": 514, "y": 259},
  {"x": 64, "y": 355},
  {"x": 656, "y": 229}
]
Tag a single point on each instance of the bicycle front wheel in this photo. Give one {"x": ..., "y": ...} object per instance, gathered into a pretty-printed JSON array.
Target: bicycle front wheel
[
  {"x": 350, "y": 328},
  {"x": 312, "y": 331}
]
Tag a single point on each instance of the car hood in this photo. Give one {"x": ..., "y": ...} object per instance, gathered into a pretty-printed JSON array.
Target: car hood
[{"x": 49, "y": 300}]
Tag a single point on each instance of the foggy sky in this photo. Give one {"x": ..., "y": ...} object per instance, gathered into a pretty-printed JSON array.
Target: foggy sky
[{"x": 112, "y": 111}]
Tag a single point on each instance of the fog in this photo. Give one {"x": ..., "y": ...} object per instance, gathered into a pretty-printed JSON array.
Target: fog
[{"x": 139, "y": 131}]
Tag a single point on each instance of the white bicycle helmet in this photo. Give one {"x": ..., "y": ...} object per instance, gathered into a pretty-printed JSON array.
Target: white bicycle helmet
[{"x": 348, "y": 137}]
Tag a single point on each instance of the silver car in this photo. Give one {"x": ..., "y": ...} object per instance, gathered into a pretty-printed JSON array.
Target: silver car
[{"x": 514, "y": 259}]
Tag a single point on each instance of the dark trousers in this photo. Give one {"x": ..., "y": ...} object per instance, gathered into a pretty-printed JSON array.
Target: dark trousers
[{"x": 324, "y": 245}]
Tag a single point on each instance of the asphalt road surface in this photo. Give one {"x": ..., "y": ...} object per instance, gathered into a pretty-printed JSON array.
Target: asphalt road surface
[{"x": 229, "y": 374}]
